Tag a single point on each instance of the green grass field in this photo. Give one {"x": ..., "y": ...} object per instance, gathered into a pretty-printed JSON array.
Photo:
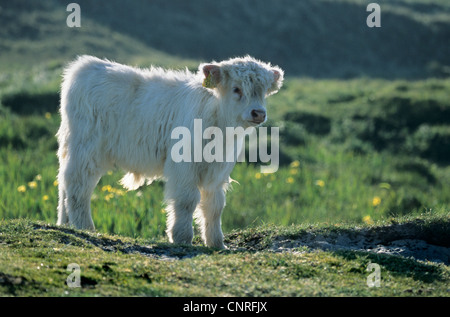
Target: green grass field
[
  {"x": 113, "y": 265},
  {"x": 380, "y": 153},
  {"x": 355, "y": 151}
]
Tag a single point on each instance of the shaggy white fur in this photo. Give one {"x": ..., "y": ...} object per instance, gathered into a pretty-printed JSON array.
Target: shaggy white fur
[{"x": 114, "y": 115}]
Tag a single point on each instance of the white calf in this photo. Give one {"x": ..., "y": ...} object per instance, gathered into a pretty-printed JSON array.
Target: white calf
[{"x": 116, "y": 115}]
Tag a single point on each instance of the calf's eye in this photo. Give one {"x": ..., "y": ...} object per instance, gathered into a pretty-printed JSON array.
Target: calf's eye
[{"x": 237, "y": 90}]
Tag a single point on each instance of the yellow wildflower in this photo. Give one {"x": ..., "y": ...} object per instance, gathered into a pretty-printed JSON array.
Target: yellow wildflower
[
  {"x": 290, "y": 180},
  {"x": 21, "y": 189},
  {"x": 320, "y": 183},
  {"x": 109, "y": 196},
  {"x": 38, "y": 177},
  {"x": 295, "y": 164},
  {"x": 55, "y": 183},
  {"x": 48, "y": 115},
  {"x": 368, "y": 220},
  {"x": 45, "y": 197},
  {"x": 116, "y": 191},
  {"x": 106, "y": 188},
  {"x": 376, "y": 201},
  {"x": 293, "y": 171},
  {"x": 258, "y": 175},
  {"x": 32, "y": 184}
]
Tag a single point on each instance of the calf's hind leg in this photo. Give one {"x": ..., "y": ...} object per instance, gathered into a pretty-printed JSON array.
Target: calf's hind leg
[{"x": 75, "y": 188}]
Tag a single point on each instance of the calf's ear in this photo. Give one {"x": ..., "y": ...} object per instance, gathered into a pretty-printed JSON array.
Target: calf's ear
[
  {"x": 276, "y": 74},
  {"x": 212, "y": 75},
  {"x": 278, "y": 77}
]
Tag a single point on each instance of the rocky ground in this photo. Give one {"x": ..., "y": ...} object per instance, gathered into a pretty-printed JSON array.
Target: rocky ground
[{"x": 401, "y": 239}]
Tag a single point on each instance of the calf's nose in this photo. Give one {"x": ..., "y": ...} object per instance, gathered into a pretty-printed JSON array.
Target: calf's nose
[{"x": 258, "y": 115}]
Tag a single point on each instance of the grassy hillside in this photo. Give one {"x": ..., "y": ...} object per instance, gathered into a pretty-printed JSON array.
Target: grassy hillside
[
  {"x": 313, "y": 38},
  {"x": 36, "y": 257}
]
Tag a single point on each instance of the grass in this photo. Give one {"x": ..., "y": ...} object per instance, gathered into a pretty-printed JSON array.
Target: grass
[
  {"x": 343, "y": 159},
  {"x": 324, "y": 185},
  {"x": 327, "y": 182},
  {"x": 36, "y": 256}
]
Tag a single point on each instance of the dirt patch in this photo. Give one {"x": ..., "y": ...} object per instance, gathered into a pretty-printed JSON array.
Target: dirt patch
[{"x": 406, "y": 240}]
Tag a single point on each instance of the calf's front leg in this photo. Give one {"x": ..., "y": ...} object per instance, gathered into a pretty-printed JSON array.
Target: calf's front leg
[
  {"x": 208, "y": 217},
  {"x": 181, "y": 203}
]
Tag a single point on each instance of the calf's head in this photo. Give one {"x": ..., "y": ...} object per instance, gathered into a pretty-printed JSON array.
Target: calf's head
[{"x": 243, "y": 84}]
